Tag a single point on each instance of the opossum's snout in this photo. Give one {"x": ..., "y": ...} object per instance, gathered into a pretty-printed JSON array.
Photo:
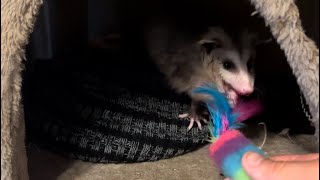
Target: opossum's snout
[
  {"x": 237, "y": 75},
  {"x": 245, "y": 91},
  {"x": 238, "y": 85},
  {"x": 239, "y": 79},
  {"x": 243, "y": 87}
]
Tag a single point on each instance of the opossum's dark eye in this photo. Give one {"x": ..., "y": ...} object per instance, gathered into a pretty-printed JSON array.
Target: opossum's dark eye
[{"x": 228, "y": 65}]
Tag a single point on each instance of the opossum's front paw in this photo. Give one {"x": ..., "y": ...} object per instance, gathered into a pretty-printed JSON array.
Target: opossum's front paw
[{"x": 193, "y": 118}]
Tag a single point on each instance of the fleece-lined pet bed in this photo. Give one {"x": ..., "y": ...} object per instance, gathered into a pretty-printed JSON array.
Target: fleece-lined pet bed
[{"x": 17, "y": 19}]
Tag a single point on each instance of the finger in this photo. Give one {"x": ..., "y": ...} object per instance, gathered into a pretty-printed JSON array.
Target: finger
[
  {"x": 183, "y": 115},
  {"x": 302, "y": 157},
  {"x": 295, "y": 170},
  {"x": 191, "y": 124},
  {"x": 204, "y": 120},
  {"x": 259, "y": 168},
  {"x": 199, "y": 125}
]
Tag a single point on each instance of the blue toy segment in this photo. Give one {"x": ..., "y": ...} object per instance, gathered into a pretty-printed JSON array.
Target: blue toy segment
[{"x": 232, "y": 163}]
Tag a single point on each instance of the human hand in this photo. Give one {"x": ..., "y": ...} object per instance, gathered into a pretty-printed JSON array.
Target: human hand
[{"x": 291, "y": 167}]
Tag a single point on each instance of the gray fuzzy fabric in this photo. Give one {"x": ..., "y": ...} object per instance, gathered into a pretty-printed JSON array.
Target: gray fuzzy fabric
[
  {"x": 17, "y": 19},
  {"x": 282, "y": 16}
]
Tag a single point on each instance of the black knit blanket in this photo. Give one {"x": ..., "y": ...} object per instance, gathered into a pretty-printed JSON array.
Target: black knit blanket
[{"x": 88, "y": 115}]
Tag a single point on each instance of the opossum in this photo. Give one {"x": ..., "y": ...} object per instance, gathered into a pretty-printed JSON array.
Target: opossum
[{"x": 192, "y": 59}]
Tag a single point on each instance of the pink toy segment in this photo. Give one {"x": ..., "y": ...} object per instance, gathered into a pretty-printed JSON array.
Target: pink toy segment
[{"x": 227, "y": 136}]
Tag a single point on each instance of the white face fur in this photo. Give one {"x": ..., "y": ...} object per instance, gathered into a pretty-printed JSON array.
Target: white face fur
[{"x": 234, "y": 65}]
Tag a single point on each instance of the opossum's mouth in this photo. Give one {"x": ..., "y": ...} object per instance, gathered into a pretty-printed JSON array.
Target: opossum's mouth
[{"x": 231, "y": 94}]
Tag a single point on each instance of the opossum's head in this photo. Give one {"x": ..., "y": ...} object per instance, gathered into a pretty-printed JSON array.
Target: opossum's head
[{"x": 228, "y": 64}]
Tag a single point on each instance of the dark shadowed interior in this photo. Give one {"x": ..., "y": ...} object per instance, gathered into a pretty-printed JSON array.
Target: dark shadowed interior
[{"x": 105, "y": 39}]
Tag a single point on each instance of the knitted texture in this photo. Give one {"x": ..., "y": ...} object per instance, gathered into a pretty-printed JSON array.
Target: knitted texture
[
  {"x": 283, "y": 19},
  {"x": 96, "y": 121}
]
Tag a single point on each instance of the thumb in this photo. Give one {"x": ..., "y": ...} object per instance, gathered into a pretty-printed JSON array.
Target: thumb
[
  {"x": 256, "y": 166},
  {"x": 260, "y": 168}
]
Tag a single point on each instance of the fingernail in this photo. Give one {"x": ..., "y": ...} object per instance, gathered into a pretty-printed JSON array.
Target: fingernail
[{"x": 252, "y": 159}]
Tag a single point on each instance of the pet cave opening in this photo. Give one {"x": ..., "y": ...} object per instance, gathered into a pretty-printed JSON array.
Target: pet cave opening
[{"x": 90, "y": 90}]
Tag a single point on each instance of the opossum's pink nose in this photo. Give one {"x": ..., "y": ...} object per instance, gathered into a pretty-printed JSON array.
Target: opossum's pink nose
[{"x": 246, "y": 91}]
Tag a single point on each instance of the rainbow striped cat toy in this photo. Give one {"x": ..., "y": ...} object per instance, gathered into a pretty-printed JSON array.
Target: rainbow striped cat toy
[{"x": 229, "y": 144}]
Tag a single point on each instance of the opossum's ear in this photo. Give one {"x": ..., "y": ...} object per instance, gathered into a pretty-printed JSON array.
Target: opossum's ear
[{"x": 209, "y": 45}]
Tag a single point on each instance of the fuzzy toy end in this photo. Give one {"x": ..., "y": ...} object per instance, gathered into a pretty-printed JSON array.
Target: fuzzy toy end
[{"x": 227, "y": 153}]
